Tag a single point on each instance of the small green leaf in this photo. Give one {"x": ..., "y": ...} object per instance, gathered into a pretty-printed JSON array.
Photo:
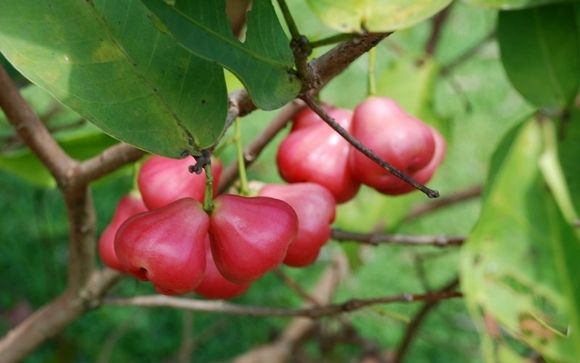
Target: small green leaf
[
  {"x": 106, "y": 60},
  {"x": 350, "y": 16},
  {"x": 540, "y": 53},
  {"x": 513, "y": 4},
  {"x": 263, "y": 62},
  {"x": 520, "y": 265}
]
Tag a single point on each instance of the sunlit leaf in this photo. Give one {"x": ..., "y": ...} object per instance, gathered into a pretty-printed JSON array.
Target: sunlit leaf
[
  {"x": 375, "y": 15},
  {"x": 513, "y": 4}
]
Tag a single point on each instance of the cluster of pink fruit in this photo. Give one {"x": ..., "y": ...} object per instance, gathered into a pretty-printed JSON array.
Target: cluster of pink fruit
[{"x": 165, "y": 236}]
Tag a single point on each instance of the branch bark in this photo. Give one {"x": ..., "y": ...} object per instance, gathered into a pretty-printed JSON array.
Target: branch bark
[
  {"x": 375, "y": 239},
  {"x": 316, "y": 312},
  {"x": 418, "y": 319},
  {"x": 54, "y": 317}
]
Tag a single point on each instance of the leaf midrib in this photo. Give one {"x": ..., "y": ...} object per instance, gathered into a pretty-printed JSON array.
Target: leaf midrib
[
  {"x": 131, "y": 61},
  {"x": 231, "y": 41}
]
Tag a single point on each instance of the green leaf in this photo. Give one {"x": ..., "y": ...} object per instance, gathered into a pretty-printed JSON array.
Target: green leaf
[
  {"x": 540, "y": 53},
  {"x": 569, "y": 153},
  {"x": 520, "y": 265},
  {"x": 350, "y": 16},
  {"x": 263, "y": 62},
  {"x": 513, "y": 4},
  {"x": 105, "y": 60}
]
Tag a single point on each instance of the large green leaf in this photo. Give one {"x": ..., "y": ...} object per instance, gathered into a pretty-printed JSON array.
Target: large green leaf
[
  {"x": 513, "y": 4},
  {"x": 374, "y": 15},
  {"x": 540, "y": 53},
  {"x": 263, "y": 62},
  {"x": 569, "y": 154},
  {"x": 520, "y": 265},
  {"x": 107, "y": 61}
]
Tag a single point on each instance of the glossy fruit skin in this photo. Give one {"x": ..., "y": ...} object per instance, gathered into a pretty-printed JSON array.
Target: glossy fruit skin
[
  {"x": 398, "y": 138},
  {"x": 314, "y": 152},
  {"x": 166, "y": 246},
  {"x": 127, "y": 207},
  {"x": 316, "y": 210},
  {"x": 250, "y": 235},
  {"x": 214, "y": 285},
  {"x": 163, "y": 180}
]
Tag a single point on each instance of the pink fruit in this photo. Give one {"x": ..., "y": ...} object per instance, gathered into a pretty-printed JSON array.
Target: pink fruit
[
  {"x": 316, "y": 209},
  {"x": 398, "y": 138},
  {"x": 314, "y": 152},
  {"x": 166, "y": 246},
  {"x": 128, "y": 206},
  {"x": 214, "y": 285},
  {"x": 250, "y": 236},
  {"x": 163, "y": 180}
]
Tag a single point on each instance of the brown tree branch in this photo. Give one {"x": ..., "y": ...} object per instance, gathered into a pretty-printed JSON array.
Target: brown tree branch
[
  {"x": 316, "y": 312},
  {"x": 107, "y": 162},
  {"x": 54, "y": 317},
  {"x": 280, "y": 350},
  {"x": 32, "y": 130},
  {"x": 449, "y": 200},
  {"x": 375, "y": 239},
  {"x": 418, "y": 319},
  {"x": 437, "y": 26}
]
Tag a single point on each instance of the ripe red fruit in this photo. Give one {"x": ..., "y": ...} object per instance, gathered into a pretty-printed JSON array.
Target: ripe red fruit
[
  {"x": 128, "y": 206},
  {"x": 316, "y": 209},
  {"x": 214, "y": 285},
  {"x": 314, "y": 152},
  {"x": 250, "y": 236},
  {"x": 398, "y": 138},
  {"x": 166, "y": 246},
  {"x": 163, "y": 180}
]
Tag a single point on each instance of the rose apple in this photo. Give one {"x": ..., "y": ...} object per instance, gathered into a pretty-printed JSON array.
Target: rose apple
[
  {"x": 250, "y": 235},
  {"x": 166, "y": 246},
  {"x": 163, "y": 180},
  {"x": 128, "y": 206},
  {"x": 314, "y": 152},
  {"x": 316, "y": 209},
  {"x": 214, "y": 285},
  {"x": 398, "y": 138}
]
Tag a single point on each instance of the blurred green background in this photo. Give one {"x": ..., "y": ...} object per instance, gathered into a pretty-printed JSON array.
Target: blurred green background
[{"x": 467, "y": 98}]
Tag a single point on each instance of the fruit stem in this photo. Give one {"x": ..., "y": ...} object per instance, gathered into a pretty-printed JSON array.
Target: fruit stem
[
  {"x": 357, "y": 144},
  {"x": 208, "y": 195},
  {"x": 244, "y": 189},
  {"x": 372, "y": 81}
]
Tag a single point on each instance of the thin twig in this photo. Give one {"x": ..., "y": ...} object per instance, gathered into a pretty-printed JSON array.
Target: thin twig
[
  {"x": 375, "y": 239},
  {"x": 315, "y": 312},
  {"x": 438, "y": 22},
  {"x": 311, "y": 102},
  {"x": 449, "y": 200},
  {"x": 296, "y": 287},
  {"x": 418, "y": 319}
]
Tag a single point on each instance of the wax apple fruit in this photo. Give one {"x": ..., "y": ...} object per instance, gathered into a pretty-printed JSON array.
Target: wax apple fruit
[
  {"x": 128, "y": 206},
  {"x": 250, "y": 236},
  {"x": 316, "y": 210},
  {"x": 214, "y": 285},
  {"x": 398, "y": 138},
  {"x": 163, "y": 180},
  {"x": 314, "y": 152},
  {"x": 166, "y": 246}
]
